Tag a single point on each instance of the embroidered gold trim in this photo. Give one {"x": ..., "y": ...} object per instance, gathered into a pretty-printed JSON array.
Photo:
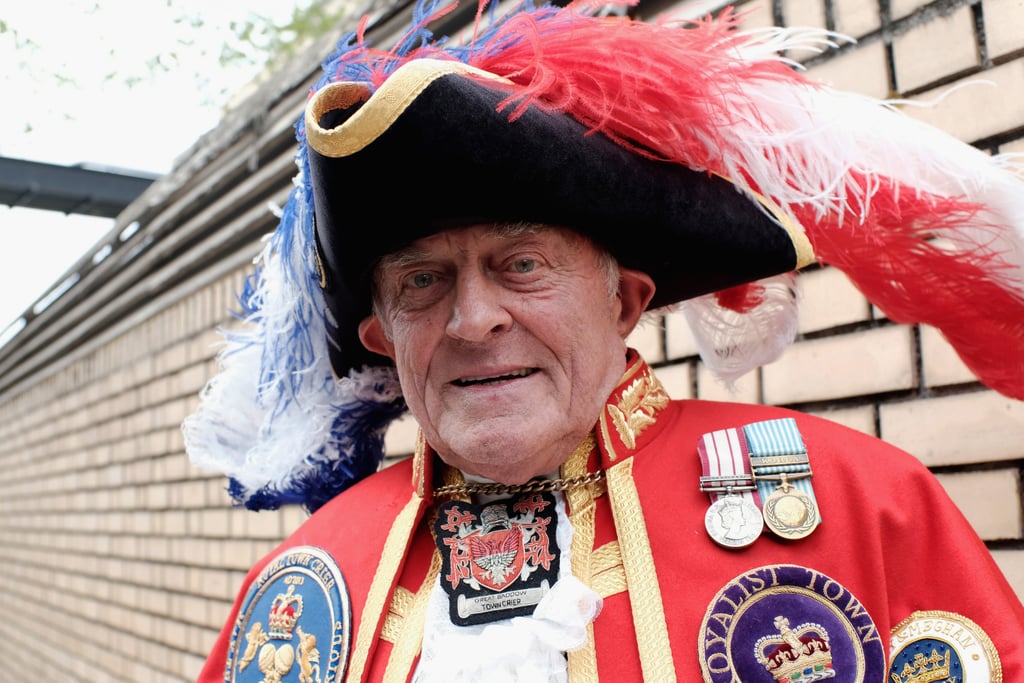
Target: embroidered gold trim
[
  {"x": 609, "y": 576},
  {"x": 641, "y": 578},
  {"x": 410, "y": 640},
  {"x": 397, "y": 611},
  {"x": 380, "y": 588},
  {"x": 419, "y": 465},
  {"x": 606, "y": 438},
  {"x": 580, "y": 500},
  {"x": 636, "y": 408},
  {"x": 382, "y": 108},
  {"x": 491, "y": 488}
]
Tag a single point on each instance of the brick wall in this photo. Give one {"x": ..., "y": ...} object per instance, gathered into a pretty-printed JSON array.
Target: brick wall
[{"x": 121, "y": 560}]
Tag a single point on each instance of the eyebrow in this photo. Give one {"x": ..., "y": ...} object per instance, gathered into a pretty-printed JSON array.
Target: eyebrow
[
  {"x": 410, "y": 255},
  {"x": 403, "y": 257}
]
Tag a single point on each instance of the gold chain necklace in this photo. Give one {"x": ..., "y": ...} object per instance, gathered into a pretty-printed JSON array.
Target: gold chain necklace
[{"x": 535, "y": 486}]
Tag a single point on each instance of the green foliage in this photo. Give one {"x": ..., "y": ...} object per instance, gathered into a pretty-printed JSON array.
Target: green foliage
[
  {"x": 258, "y": 38},
  {"x": 219, "y": 54}
]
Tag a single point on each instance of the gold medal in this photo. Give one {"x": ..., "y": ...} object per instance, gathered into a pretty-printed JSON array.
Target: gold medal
[{"x": 789, "y": 513}]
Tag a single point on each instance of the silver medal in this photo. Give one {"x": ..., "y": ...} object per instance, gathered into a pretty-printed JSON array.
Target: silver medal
[{"x": 733, "y": 521}]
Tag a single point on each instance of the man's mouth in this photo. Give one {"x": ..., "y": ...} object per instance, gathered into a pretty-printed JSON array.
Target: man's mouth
[{"x": 494, "y": 379}]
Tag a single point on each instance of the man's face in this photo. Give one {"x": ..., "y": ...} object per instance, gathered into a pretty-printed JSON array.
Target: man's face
[{"x": 506, "y": 344}]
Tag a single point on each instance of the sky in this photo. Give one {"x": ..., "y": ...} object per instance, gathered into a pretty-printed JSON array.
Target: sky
[{"x": 75, "y": 88}]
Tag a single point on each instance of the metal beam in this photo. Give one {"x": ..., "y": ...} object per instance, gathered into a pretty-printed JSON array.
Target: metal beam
[{"x": 91, "y": 191}]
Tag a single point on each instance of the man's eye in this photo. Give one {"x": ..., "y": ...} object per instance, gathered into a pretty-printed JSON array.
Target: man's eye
[
  {"x": 524, "y": 265},
  {"x": 422, "y": 280}
]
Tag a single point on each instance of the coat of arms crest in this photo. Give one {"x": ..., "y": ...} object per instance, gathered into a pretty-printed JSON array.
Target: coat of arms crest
[{"x": 499, "y": 559}]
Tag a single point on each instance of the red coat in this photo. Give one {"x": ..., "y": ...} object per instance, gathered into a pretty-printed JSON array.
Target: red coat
[{"x": 894, "y": 572}]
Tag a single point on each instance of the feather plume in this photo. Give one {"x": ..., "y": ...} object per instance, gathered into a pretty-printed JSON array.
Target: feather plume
[
  {"x": 745, "y": 327},
  {"x": 927, "y": 227}
]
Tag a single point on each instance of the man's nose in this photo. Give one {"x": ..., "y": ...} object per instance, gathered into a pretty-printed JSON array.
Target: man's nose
[{"x": 478, "y": 309}]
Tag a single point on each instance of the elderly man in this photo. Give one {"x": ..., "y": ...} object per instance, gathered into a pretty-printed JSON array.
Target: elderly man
[{"x": 562, "y": 519}]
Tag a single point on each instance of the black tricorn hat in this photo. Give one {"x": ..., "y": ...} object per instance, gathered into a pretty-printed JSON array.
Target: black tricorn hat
[
  {"x": 433, "y": 149},
  {"x": 690, "y": 150}
]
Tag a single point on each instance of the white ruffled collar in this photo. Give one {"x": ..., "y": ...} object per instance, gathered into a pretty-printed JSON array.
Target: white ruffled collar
[{"x": 518, "y": 650}]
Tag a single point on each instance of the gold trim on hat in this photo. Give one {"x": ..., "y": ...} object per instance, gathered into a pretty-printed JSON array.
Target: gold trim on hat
[
  {"x": 801, "y": 245},
  {"x": 382, "y": 108}
]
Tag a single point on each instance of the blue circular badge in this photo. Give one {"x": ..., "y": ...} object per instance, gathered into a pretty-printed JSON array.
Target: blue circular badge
[
  {"x": 788, "y": 623},
  {"x": 942, "y": 646},
  {"x": 294, "y": 624}
]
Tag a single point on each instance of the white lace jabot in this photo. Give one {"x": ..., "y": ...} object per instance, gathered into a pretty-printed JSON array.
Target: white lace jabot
[{"x": 518, "y": 650}]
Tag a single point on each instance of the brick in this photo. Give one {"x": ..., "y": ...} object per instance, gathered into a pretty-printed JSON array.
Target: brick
[
  {"x": 856, "y": 17},
  {"x": 962, "y": 429},
  {"x": 860, "y": 418},
  {"x": 1014, "y": 147},
  {"x": 862, "y": 70},
  {"x": 941, "y": 364},
  {"x": 901, "y": 8},
  {"x": 856, "y": 364},
  {"x": 189, "y": 495},
  {"x": 804, "y": 13},
  {"x": 400, "y": 439},
  {"x": 828, "y": 299},
  {"x": 206, "y": 346},
  {"x": 264, "y": 525},
  {"x": 646, "y": 339},
  {"x": 1003, "y": 22},
  {"x": 216, "y": 493},
  {"x": 292, "y": 517},
  {"x": 998, "y": 92},
  {"x": 214, "y": 523},
  {"x": 756, "y": 14},
  {"x": 192, "y": 665},
  {"x": 934, "y": 50},
  {"x": 983, "y": 497},
  {"x": 212, "y": 583},
  {"x": 171, "y": 360},
  {"x": 745, "y": 389},
  {"x": 1011, "y": 562},
  {"x": 191, "y": 379},
  {"x": 679, "y": 340},
  {"x": 677, "y": 380},
  {"x": 174, "y": 633}
]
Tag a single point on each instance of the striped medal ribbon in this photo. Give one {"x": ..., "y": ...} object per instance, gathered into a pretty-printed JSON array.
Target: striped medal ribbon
[
  {"x": 782, "y": 474},
  {"x": 734, "y": 518}
]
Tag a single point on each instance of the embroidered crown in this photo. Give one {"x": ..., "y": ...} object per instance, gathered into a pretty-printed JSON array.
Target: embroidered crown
[
  {"x": 800, "y": 654},
  {"x": 494, "y": 517},
  {"x": 285, "y": 611},
  {"x": 924, "y": 669}
]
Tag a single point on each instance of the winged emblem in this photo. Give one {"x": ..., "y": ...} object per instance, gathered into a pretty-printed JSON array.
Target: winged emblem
[
  {"x": 499, "y": 559},
  {"x": 496, "y": 555}
]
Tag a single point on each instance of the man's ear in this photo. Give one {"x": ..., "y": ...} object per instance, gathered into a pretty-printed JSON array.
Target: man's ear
[
  {"x": 371, "y": 333},
  {"x": 635, "y": 291}
]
